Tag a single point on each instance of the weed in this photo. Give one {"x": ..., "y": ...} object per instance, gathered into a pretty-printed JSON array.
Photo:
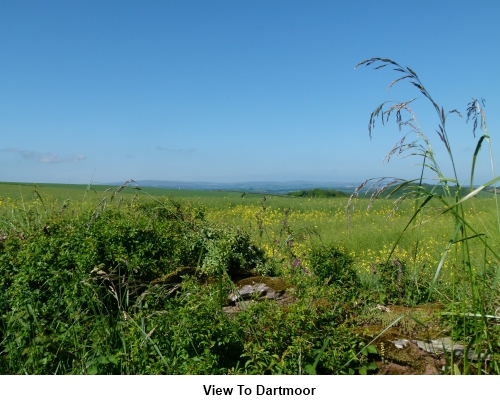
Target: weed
[{"x": 451, "y": 202}]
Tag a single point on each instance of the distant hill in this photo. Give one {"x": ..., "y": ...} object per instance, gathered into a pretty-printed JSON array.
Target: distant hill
[
  {"x": 318, "y": 193},
  {"x": 270, "y": 187},
  {"x": 287, "y": 187}
]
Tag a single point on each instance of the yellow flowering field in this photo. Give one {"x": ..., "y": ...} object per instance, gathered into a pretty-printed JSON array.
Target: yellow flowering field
[
  {"x": 370, "y": 235},
  {"x": 281, "y": 223}
]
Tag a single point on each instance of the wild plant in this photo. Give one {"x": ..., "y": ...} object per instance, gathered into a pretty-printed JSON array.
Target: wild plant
[{"x": 468, "y": 299}]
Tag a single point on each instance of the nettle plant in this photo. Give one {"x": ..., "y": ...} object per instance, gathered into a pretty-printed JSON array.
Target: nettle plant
[{"x": 478, "y": 293}]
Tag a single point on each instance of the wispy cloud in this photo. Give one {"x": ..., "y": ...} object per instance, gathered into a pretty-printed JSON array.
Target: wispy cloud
[
  {"x": 173, "y": 150},
  {"x": 44, "y": 157}
]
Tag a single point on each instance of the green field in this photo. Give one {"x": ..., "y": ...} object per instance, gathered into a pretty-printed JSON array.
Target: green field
[
  {"x": 88, "y": 274},
  {"x": 370, "y": 237}
]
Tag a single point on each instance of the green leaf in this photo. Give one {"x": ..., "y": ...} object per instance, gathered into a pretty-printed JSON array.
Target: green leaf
[
  {"x": 310, "y": 369},
  {"x": 92, "y": 370},
  {"x": 112, "y": 359},
  {"x": 381, "y": 298}
]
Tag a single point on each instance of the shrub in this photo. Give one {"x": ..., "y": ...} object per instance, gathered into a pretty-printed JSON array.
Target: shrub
[
  {"x": 332, "y": 265},
  {"x": 400, "y": 287},
  {"x": 224, "y": 249},
  {"x": 76, "y": 291}
]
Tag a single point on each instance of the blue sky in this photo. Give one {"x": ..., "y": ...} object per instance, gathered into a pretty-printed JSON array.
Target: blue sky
[{"x": 231, "y": 91}]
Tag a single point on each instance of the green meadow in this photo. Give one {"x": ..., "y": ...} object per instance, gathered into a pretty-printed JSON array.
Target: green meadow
[
  {"x": 88, "y": 273},
  {"x": 369, "y": 234}
]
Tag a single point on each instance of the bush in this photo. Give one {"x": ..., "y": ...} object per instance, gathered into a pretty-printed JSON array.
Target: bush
[
  {"x": 333, "y": 266},
  {"x": 399, "y": 285},
  {"x": 73, "y": 288},
  {"x": 224, "y": 248},
  {"x": 287, "y": 340}
]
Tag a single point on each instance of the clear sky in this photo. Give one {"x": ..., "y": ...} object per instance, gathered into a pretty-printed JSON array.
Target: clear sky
[{"x": 229, "y": 91}]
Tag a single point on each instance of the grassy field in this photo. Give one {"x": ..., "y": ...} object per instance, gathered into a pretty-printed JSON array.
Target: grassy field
[
  {"x": 63, "y": 245},
  {"x": 370, "y": 236}
]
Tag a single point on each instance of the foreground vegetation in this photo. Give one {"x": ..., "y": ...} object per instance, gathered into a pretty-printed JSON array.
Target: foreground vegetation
[
  {"x": 83, "y": 291},
  {"x": 124, "y": 281},
  {"x": 83, "y": 286}
]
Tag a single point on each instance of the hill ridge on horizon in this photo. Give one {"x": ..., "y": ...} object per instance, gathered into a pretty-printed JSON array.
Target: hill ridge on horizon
[{"x": 275, "y": 186}]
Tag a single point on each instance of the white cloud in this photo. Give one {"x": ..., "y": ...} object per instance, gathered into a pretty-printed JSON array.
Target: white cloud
[
  {"x": 77, "y": 158},
  {"x": 43, "y": 157}
]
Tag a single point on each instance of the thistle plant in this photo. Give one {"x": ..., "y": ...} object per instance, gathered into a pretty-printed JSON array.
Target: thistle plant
[{"x": 450, "y": 197}]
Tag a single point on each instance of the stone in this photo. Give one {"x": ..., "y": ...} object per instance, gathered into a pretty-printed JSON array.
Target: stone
[
  {"x": 251, "y": 288},
  {"x": 446, "y": 345},
  {"x": 401, "y": 343},
  {"x": 382, "y": 308}
]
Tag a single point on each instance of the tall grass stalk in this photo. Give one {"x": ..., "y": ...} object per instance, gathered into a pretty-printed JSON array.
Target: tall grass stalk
[{"x": 476, "y": 295}]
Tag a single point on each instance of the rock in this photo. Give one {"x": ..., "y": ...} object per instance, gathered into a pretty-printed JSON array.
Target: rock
[
  {"x": 383, "y": 309},
  {"x": 403, "y": 357},
  {"x": 446, "y": 345},
  {"x": 401, "y": 343},
  {"x": 251, "y": 288},
  {"x": 249, "y": 291}
]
